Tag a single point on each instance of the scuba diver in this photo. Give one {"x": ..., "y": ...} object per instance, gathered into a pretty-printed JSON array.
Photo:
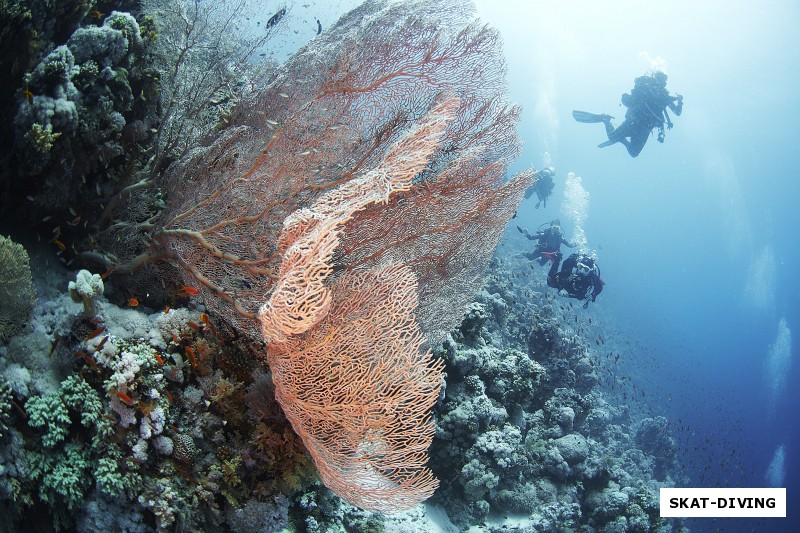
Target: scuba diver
[
  {"x": 579, "y": 277},
  {"x": 646, "y": 106},
  {"x": 543, "y": 186},
  {"x": 550, "y": 241}
]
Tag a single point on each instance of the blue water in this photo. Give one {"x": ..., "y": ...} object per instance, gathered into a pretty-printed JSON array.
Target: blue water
[{"x": 697, "y": 237}]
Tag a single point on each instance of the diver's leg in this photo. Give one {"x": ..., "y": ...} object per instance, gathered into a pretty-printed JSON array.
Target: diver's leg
[
  {"x": 637, "y": 142},
  {"x": 608, "y": 125},
  {"x": 552, "y": 275},
  {"x": 615, "y": 135}
]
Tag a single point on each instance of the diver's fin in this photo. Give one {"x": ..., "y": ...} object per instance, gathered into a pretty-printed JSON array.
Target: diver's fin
[
  {"x": 604, "y": 144},
  {"x": 585, "y": 116}
]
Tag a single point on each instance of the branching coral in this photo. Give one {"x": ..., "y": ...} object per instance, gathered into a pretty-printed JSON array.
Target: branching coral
[{"x": 41, "y": 138}]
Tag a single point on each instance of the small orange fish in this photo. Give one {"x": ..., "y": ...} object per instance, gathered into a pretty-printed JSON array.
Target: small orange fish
[
  {"x": 132, "y": 301},
  {"x": 107, "y": 273},
  {"x": 207, "y": 322},
  {"x": 170, "y": 398},
  {"x": 95, "y": 333},
  {"x": 101, "y": 344},
  {"x": 96, "y": 14},
  {"x": 188, "y": 291},
  {"x": 175, "y": 338},
  {"x": 61, "y": 245},
  {"x": 194, "y": 326},
  {"x": 88, "y": 358},
  {"x": 159, "y": 359},
  {"x": 166, "y": 310},
  {"x": 190, "y": 354},
  {"x": 124, "y": 397},
  {"x": 28, "y": 94}
]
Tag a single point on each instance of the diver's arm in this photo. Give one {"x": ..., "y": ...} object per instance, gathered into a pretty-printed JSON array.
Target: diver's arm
[
  {"x": 677, "y": 108},
  {"x": 524, "y": 231},
  {"x": 566, "y": 243},
  {"x": 597, "y": 288}
]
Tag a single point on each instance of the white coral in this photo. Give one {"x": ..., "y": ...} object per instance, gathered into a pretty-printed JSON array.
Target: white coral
[{"x": 86, "y": 288}]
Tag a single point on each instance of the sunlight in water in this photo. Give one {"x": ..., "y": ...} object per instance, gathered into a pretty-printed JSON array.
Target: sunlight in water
[
  {"x": 776, "y": 472},
  {"x": 778, "y": 362},
  {"x": 759, "y": 292}
]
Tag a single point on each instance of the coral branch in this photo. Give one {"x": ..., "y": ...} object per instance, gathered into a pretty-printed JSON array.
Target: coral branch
[{"x": 358, "y": 390}]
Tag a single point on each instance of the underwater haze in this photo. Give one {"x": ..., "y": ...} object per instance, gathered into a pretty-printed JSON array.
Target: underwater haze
[{"x": 696, "y": 237}]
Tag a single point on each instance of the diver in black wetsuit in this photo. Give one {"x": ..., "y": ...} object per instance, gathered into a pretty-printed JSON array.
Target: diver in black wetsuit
[
  {"x": 550, "y": 241},
  {"x": 579, "y": 277},
  {"x": 647, "y": 106},
  {"x": 543, "y": 187}
]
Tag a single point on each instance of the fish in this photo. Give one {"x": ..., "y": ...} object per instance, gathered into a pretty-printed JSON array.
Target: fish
[
  {"x": 186, "y": 290},
  {"x": 319, "y": 27},
  {"x": 133, "y": 301},
  {"x": 95, "y": 333},
  {"x": 190, "y": 354},
  {"x": 101, "y": 344},
  {"x": 276, "y": 18},
  {"x": 88, "y": 358},
  {"x": 207, "y": 323},
  {"x": 124, "y": 397}
]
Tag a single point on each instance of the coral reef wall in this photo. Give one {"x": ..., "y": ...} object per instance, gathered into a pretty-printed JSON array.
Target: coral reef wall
[{"x": 526, "y": 429}]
